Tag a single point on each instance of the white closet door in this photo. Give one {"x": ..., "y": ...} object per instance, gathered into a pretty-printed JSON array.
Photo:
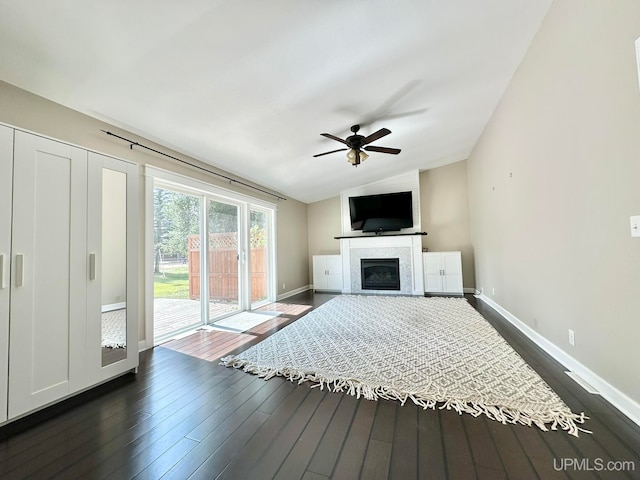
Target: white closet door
[
  {"x": 6, "y": 177},
  {"x": 48, "y": 293},
  {"x": 112, "y": 280}
]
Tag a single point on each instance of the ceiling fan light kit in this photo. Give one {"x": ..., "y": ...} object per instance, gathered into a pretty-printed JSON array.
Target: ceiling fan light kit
[{"x": 356, "y": 145}]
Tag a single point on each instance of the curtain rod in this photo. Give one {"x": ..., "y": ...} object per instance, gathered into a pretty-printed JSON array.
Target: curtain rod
[{"x": 231, "y": 180}]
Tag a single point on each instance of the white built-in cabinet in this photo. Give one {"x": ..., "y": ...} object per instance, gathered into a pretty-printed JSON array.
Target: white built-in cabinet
[
  {"x": 6, "y": 181},
  {"x": 442, "y": 272},
  {"x": 51, "y": 246},
  {"x": 327, "y": 272}
]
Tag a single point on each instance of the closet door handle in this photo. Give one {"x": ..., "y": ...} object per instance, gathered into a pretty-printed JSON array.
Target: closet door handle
[
  {"x": 19, "y": 269},
  {"x": 1, "y": 271},
  {"x": 92, "y": 266}
]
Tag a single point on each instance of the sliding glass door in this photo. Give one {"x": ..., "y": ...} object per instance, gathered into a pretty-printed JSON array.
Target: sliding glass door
[
  {"x": 224, "y": 259},
  {"x": 260, "y": 258},
  {"x": 213, "y": 256},
  {"x": 176, "y": 263}
]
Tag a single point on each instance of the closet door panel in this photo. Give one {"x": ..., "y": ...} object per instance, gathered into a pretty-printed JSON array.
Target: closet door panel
[
  {"x": 6, "y": 181},
  {"x": 112, "y": 343},
  {"x": 48, "y": 298}
]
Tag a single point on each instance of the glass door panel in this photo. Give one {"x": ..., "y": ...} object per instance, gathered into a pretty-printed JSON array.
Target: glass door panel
[
  {"x": 259, "y": 239},
  {"x": 177, "y": 262},
  {"x": 224, "y": 274}
]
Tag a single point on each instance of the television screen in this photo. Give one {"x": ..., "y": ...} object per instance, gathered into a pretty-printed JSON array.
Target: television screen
[{"x": 380, "y": 213}]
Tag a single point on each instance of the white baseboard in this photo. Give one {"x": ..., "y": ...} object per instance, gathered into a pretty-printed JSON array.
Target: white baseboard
[
  {"x": 291, "y": 293},
  {"x": 618, "y": 399}
]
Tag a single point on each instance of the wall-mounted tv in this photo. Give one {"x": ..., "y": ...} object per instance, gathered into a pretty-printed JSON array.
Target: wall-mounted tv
[{"x": 381, "y": 213}]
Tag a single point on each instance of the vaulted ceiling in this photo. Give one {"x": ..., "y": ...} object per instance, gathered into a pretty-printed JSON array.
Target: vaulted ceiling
[{"x": 249, "y": 85}]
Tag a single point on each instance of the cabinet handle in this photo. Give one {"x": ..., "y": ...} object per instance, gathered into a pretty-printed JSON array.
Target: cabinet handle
[
  {"x": 1, "y": 271},
  {"x": 19, "y": 269},
  {"x": 92, "y": 266}
]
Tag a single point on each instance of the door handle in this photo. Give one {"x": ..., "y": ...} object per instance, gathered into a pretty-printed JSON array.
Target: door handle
[
  {"x": 1, "y": 271},
  {"x": 19, "y": 269},
  {"x": 92, "y": 266}
]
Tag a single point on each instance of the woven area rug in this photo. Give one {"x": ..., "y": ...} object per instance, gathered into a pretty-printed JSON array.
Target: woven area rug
[
  {"x": 114, "y": 328},
  {"x": 432, "y": 351}
]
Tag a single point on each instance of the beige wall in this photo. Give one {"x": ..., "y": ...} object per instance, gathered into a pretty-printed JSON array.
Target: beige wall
[
  {"x": 324, "y": 223},
  {"x": 444, "y": 216},
  {"x": 444, "y": 208},
  {"x": 553, "y": 181},
  {"x": 31, "y": 112}
]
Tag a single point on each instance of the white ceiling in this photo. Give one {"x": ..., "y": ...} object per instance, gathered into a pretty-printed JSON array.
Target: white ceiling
[{"x": 249, "y": 85}]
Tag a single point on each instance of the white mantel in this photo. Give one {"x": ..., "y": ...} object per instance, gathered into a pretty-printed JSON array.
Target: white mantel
[{"x": 407, "y": 248}]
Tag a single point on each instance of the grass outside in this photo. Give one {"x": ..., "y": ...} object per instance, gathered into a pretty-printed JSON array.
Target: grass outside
[{"x": 173, "y": 283}]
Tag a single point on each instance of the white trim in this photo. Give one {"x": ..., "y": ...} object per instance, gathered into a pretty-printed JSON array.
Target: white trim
[
  {"x": 618, "y": 399},
  {"x": 291, "y": 293},
  {"x": 148, "y": 261},
  {"x": 178, "y": 180}
]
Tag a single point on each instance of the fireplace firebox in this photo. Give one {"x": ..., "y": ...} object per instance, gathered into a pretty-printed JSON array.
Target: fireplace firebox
[{"x": 380, "y": 273}]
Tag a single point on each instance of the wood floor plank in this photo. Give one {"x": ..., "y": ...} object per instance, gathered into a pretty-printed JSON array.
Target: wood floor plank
[
  {"x": 385, "y": 421},
  {"x": 328, "y": 451},
  {"x": 404, "y": 457},
  {"x": 431, "y": 458},
  {"x": 514, "y": 458},
  {"x": 456, "y": 448},
  {"x": 221, "y": 426},
  {"x": 296, "y": 462},
  {"x": 377, "y": 460},
  {"x": 274, "y": 456},
  {"x": 482, "y": 447},
  {"x": 355, "y": 446},
  {"x": 219, "y": 460},
  {"x": 241, "y": 466}
]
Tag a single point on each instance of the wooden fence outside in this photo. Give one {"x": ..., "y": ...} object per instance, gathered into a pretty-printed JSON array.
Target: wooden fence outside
[{"x": 223, "y": 268}]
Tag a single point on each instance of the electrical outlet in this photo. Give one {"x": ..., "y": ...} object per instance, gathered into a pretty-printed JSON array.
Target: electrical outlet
[
  {"x": 572, "y": 338},
  {"x": 635, "y": 226},
  {"x": 283, "y": 286},
  {"x": 493, "y": 291}
]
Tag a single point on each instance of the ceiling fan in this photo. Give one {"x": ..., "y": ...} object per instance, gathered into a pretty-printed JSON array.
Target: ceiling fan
[{"x": 356, "y": 144}]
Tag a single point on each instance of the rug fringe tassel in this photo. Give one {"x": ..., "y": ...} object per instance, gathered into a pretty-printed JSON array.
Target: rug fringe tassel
[{"x": 557, "y": 419}]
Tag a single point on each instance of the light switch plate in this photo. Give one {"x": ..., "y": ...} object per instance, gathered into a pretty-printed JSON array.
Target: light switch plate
[{"x": 635, "y": 226}]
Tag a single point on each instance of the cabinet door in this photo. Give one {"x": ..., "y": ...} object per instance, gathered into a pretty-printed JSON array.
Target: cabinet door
[
  {"x": 319, "y": 272},
  {"x": 112, "y": 343},
  {"x": 334, "y": 272},
  {"x": 432, "y": 272},
  {"x": 6, "y": 181},
  {"x": 452, "y": 268},
  {"x": 48, "y": 293}
]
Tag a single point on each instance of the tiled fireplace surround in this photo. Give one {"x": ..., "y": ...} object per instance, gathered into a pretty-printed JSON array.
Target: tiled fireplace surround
[{"x": 407, "y": 248}]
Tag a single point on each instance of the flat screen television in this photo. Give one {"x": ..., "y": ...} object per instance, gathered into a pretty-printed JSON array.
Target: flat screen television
[{"x": 381, "y": 213}]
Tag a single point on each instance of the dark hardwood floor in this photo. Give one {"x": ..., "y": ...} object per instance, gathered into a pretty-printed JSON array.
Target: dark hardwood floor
[{"x": 184, "y": 416}]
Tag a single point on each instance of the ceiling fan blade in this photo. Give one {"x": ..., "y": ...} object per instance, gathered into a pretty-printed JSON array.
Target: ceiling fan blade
[
  {"x": 393, "y": 151},
  {"x": 375, "y": 136},
  {"x": 332, "y": 151},
  {"x": 333, "y": 137}
]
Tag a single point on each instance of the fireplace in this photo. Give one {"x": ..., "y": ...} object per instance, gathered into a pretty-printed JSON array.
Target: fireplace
[{"x": 380, "y": 273}]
